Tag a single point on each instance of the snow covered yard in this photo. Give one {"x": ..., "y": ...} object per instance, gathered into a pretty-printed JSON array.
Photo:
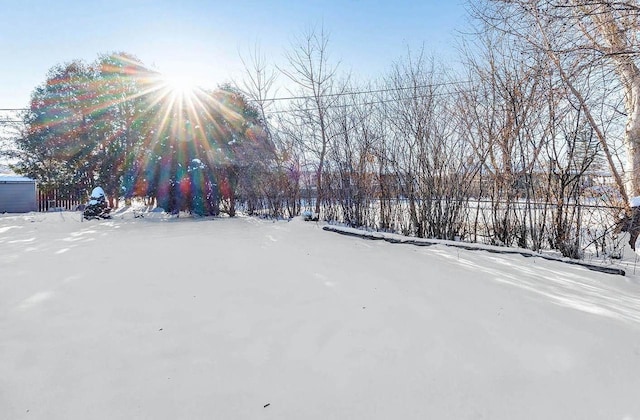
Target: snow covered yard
[{"x": 242, "y": 318}]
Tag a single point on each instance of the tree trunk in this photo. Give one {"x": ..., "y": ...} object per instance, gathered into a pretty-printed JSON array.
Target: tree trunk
[
  {"x": 615, "y": 35},
  {"x": 631, "y": 80},
  {"x": 630, "y": 74}
]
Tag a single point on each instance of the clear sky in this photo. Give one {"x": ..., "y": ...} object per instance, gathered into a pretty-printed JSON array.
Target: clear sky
[{"x": 203, "y": 39}]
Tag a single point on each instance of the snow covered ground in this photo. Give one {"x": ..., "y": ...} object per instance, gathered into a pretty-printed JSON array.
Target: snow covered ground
[{"x": 166, "y": 318}]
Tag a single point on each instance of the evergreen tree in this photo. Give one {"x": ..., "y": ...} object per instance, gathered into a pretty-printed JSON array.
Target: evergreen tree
[
  {"x": 118, "y": 125},
  {"x": 56, "y": 142}
]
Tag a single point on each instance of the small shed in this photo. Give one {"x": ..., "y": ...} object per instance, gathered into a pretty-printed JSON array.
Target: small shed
[{"x": 17, "y": 194}]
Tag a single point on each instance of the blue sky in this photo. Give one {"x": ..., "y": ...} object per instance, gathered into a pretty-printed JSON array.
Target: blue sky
[{"x": 202, "y": 39}]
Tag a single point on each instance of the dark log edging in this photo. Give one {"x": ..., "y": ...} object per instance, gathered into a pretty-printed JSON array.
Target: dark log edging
[{"x": 377, "y": 236}]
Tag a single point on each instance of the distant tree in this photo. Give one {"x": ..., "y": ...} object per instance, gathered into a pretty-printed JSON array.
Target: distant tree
[
  {"x": 56, "y": 141},
  {"x": 316, "y": 78},
  {"x": 279, "y": 187},
  {"x": 174, "y": 165},
  {"x": 121, "y": 122},
  {"x": 117, "y": 124},
  {"x": 242, "y": 138},
  {"x": 209, "y": 151}
]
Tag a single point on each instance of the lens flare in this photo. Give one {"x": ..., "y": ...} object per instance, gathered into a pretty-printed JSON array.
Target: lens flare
[
  {"x": 180, "y": 86},
  {"x": 152, "y": 126}
]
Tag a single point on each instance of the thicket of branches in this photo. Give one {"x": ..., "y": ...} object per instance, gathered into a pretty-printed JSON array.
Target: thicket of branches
[{"x": 513, "y": 152}]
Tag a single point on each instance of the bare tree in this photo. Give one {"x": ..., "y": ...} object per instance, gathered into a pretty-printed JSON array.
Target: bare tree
[
  {"x": 352, "y": 159},
  {"x": 425, "y": 151},
  {"x": 506, "y": 123},
  {"x": 316, "y": 78},
  {"x": 259, "y": 86},
  {"x": 577, "y": 36}
]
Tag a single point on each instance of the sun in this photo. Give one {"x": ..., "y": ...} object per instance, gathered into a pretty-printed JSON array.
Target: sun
[
  {"x": 180, "y": 86},
  {"x": 184, "y": 106}
]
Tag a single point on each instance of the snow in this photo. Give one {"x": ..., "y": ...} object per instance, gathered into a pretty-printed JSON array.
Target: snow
[
  {"x": 634, "y": 202},
  {"x": 14, "y": 178},
  {"x": 97, "y": 192},
  {"x": 200, "y": 318}
]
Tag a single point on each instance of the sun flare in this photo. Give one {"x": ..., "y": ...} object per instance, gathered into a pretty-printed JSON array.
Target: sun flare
[{"x": 180, "y": 86}]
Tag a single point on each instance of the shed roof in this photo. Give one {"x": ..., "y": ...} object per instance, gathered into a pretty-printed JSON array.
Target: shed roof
[{"x": 14, "y": 178}]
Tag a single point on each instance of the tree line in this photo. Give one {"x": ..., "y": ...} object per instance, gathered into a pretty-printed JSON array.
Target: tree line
[
  {"x": 531, "y": 143},
  {"x": 116, "y": 124}
]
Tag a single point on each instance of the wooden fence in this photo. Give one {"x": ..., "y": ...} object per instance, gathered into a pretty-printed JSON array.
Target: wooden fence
[{"x": 59, "y": 200}]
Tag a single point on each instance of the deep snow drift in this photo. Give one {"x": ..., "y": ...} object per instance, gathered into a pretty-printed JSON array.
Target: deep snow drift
[{"x": 248, "y": 319}]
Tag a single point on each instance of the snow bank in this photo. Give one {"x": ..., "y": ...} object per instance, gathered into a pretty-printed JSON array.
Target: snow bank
[{"x": 398, "y": 239}]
